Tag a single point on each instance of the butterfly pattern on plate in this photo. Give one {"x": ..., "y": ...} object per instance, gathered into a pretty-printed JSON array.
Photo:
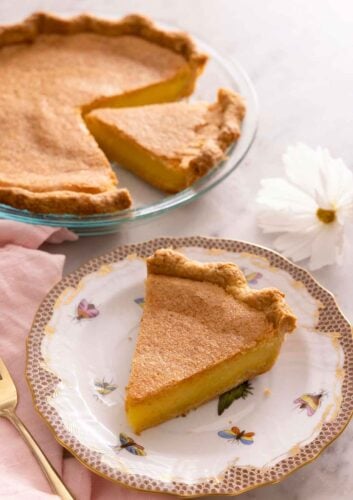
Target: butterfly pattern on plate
[
  {"x": 253, "y": 277},
  {"x": 309, "y": 402},
  {"x": 85, "y": 310},
  {"x": 140, "y": 301},
  {"x": 128, "y": 444},
  {"x": 103, "y": 387},
  {"x": 235, "y": 434}
]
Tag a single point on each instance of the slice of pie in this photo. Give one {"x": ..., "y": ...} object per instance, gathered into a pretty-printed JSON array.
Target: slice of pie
[
  {"x": 169, "y": 145},
  {"x": 53, "y": 71},
  {"x": 203, "y": 331}
]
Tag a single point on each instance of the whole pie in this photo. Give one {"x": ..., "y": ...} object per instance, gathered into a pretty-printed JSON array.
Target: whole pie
[
  {"x": 52, "y": 73},
  {"x": 169, "y": 145},
  {"x": 203, "y": 332}
]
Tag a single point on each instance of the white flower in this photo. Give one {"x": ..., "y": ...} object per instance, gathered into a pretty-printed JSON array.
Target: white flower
[{"x": 310, "y": 208}]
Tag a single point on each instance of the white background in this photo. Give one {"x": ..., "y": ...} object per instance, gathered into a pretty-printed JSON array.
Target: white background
[{"x": 299, "y": 55}]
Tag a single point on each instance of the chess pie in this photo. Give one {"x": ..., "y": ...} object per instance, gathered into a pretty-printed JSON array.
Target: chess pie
[{"x": 203, "y": 331}]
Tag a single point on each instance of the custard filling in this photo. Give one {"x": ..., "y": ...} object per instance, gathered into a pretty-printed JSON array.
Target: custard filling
[
  {"x": 196, "y": 390},
  {"x": 120, "y": 148}
]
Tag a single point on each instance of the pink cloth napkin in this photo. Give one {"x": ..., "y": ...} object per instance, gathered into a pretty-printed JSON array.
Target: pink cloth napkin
[{"x": 26, "y": 276}]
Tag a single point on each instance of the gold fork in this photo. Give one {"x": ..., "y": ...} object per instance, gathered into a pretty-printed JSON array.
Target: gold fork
[{"x": 8, "y": 403}]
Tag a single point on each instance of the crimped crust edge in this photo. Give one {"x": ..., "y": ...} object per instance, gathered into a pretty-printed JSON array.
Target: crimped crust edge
[{"x": 230, "y": 277}]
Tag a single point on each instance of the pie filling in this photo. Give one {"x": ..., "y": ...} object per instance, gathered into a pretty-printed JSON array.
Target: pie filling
[
  {"x": 202, "y": 387},
  {"x": 129, "y": 154},
  {"x": 133, "y": 157},
  {"x": 180, "y": 85}
]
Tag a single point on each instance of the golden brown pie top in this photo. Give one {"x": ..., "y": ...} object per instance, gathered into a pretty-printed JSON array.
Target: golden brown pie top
[
  {"x": 52, "y": 70},
  {"x": 181, "y": 132},
  {"x": 197, "y": 315}
]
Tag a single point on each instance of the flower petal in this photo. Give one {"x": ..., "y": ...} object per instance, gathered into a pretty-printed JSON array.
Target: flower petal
[
  {"x": 336, "y": 184},
  {"x": 279, "y": 194},
  {"x": 275, "y": 221},
  {"x": 327, "y": 247},
  {"x": 302, "y": 165},
  {"x": 323, "y": 245},
  {"x": 284, "y": 207},
  {"x": 295, "y": 246},
  {"x": 345, "y": 213},
  {"x": 322, "y": 177}
]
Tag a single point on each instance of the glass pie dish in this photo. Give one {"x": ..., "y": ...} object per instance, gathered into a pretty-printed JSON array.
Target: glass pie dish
[{"x": 148, "y": 201}]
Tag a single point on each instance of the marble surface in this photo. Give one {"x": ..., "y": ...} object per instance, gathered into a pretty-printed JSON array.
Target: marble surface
[{"x": 300, "y": 58}]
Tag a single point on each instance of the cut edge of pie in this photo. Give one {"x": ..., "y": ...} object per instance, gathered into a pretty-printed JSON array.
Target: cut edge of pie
[
  {"x": 147, "y": 406},
  {"x": 204, "y": 143},
  {"x": 107, "y": 198}
]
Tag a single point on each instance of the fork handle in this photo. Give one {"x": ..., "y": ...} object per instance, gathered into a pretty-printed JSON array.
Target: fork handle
[{"x": 52, "y": 476}]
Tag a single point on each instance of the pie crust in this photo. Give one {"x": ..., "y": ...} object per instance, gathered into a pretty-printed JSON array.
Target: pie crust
[{"x": 270, "y": 301}]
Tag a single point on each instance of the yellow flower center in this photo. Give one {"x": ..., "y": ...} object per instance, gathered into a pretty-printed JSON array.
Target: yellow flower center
[{"x": 326, "y": 216}]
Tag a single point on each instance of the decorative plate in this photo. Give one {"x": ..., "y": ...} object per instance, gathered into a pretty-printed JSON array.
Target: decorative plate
[
  {"x": 79, "y": 353},
  {"x": 148, "y": 201}
]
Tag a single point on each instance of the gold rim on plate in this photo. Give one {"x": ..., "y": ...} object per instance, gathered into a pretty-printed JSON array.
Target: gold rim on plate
[{"x": 235, "y": 479}]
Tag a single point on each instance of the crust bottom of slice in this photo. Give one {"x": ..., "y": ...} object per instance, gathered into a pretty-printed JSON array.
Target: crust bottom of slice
[
  {"x": 66, "y": 202},
  {"x": 202, "y": 387}
]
